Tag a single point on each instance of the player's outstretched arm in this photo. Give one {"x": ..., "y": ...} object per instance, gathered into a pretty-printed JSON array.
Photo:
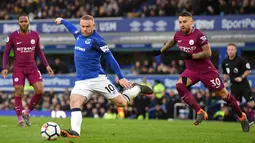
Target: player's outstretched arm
[
  {"x": 206, "y": 53},
  {"x": 71, "y": 28},
  {"x": 116, "y": 68},
  {"x": 168, "y": 45}
]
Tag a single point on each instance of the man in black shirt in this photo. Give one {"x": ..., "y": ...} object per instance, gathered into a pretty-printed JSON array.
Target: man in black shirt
[{"x": 238, "y": 68}]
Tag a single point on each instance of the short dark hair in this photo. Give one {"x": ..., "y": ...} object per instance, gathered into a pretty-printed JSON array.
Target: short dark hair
[
  {"x": 87, "y": 17},
  {"x": 232, "y": 44},
  {"x": 23, "y": 14},
  {"x": 185, "y": 13}
]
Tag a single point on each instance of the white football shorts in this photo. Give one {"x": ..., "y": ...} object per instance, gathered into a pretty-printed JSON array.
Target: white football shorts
[{"x": 101, "y": 85}]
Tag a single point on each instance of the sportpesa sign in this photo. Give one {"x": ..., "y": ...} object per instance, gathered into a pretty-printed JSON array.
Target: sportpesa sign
[
  {"x": 63, "y": 82},
  {"x": 158, "y": 24}
]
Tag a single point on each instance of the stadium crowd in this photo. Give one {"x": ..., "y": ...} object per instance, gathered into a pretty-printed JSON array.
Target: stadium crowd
[
  {"x": 46, "y": 9},
  {"x": 159, "y": 105},
  {"x": 147, "y": 67}
]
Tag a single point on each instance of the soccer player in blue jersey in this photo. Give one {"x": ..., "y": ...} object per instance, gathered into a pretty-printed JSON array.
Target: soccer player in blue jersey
[{"x": 90, "y": 76}]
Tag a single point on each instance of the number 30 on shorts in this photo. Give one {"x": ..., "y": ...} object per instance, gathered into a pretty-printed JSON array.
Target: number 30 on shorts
[
  {"x": 215, "y": 82},
  {"x": 110, "y": 88}
]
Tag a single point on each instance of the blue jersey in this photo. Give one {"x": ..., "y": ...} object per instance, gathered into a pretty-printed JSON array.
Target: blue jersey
[{"x": 87, "y": 54}]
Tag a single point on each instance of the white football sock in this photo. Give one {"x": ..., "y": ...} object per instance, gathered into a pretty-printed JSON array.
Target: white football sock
[
  {"x": 132, "y": 92},
  {"x": 76, "y": 120}
]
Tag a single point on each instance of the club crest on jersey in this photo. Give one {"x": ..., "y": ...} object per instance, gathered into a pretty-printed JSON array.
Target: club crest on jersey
[
  {"x": 87, "y": 41},
  {"x": 7, "y": 39},
  {"x": 16, "y": 79},
  {"x": 191, "y": 42},
  {"x": 32, "y": 41}
]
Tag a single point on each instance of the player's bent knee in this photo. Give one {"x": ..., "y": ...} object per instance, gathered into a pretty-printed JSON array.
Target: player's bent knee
[
  {"x": 19, "y": 90},
  {"x": 223, "y": 93},
  {"x": 40, "y": 91},
  {"x": 77, "y": 101},
  {"x": 75, "y": 104}
]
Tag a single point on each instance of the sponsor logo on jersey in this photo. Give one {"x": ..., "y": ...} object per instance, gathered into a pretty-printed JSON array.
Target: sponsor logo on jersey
[
  {"x": 88, "y": 41},
  {"x": 19, "y": 43},
  {"x": 104, "y": 48},
  {"x": 26, "y": 49},
  {"x": 32, "y": 41},
  {"x": 187, "y": 49},
  {"x": 79, "y": 49},
  {"x": 191, "y": 42}
]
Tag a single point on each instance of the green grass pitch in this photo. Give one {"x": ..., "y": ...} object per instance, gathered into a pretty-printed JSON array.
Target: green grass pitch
[{"x": 129, "y": 131}]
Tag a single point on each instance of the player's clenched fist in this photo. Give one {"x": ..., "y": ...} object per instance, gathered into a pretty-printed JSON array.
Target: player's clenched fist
[{"x": 58, "y": 20}]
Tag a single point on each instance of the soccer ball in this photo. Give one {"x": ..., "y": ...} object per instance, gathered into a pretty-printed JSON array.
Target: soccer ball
[{"x": 50, "y": 131}]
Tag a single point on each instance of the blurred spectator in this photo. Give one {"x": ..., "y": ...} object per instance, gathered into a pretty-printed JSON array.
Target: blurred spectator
[
  {"x": 200, "y": 98},
  {"x": 141, "y": 103},
  {"x": 145, "y": 82},
  {"x": 136, "y": 69},
  {"x": 181, "y": 66},
  {"x": 160, "y": 113},
  {"x": 159, "y": 89},
  {"x": 173, "y": 67},
  {"x": 41, "y": 67},
  {"x": 59, "y": 67},
  {"x": 114, "y": 8}
]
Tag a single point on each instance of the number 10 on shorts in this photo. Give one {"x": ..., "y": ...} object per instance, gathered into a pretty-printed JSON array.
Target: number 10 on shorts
[{"x": 109, "y": 88}]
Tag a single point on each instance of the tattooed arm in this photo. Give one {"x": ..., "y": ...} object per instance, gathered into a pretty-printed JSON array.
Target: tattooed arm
[
  {"x": 204, "y": 54},
  {"x": 168, "y": 45}
]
